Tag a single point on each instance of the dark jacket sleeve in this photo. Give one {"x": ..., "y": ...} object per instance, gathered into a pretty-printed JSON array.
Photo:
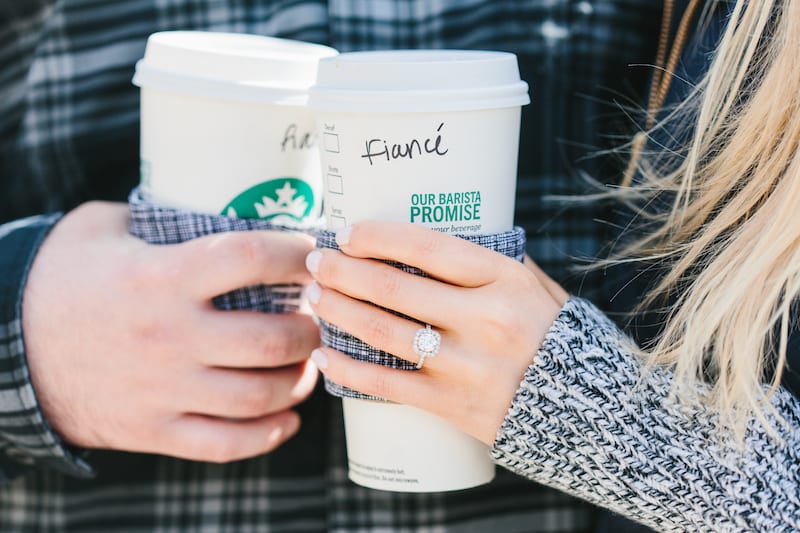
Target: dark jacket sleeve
[{"x": 26, "y": 439}]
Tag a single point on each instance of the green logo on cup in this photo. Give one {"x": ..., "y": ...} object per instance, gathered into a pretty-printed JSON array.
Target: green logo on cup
[{"x": 278, "y": 198}]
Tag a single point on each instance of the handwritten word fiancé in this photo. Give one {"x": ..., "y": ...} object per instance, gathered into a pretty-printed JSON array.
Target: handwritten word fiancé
[{"x": 381, "y": 148}]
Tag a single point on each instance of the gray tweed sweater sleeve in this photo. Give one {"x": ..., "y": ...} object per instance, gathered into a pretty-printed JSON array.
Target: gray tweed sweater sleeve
[{"x": 587, "y": 420}]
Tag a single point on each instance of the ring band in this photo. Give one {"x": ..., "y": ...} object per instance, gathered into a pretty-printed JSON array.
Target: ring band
[{"x": 426, "y": 344}]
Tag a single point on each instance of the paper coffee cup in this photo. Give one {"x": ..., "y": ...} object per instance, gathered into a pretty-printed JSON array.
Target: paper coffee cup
[
  {"x": 427, "y": 137},
  {"x": 225, "y": 128}
]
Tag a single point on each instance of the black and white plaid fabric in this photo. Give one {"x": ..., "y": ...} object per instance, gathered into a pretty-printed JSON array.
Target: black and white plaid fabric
[
  {"x": 509, "y": 243},
  {"x": 69, "y": 133}
]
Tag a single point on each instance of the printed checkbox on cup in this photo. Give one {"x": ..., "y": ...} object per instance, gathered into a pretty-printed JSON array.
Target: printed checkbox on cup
[
  {"x": 337, "y": 222},
  {"x": 335, "y": 184},
  {"x": 330, "y": 142}
]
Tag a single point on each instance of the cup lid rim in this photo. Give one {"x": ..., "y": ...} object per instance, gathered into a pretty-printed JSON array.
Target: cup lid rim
[
  {"x": 422, "y": 101},
  {"x": 233, "y": 66},
  {"x": 232, "y": 44},
  {"x": 418, "y": 80},
  {"x": 147, "y": 77}
]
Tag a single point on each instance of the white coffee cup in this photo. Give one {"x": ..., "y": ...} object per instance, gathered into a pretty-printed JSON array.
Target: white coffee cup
[
  {"x": 428, "y": 137},
  {"x": 225, "y": 128}
]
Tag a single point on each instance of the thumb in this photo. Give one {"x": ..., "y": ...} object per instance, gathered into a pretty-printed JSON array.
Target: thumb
[{"x": 216, "y": 264}]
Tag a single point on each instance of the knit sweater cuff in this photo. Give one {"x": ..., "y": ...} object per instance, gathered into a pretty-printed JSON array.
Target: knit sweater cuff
[{"x": 590, "y": 421}]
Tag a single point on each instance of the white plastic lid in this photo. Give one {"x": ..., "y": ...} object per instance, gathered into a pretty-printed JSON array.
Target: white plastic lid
[
  {"x": 418, "y": 80},
  {"x": 231, "y": 66}
]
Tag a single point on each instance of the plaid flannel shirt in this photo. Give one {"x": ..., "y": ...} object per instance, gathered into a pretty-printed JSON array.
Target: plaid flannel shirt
[{"x": 69, "y": 133}]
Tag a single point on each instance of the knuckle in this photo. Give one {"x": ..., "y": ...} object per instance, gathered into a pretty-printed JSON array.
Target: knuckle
[
  {"x": 379, "y": 331},
  {"x": 279, "y": 346},
  {"x": 264, "y": 396},
  {"x": 389, "y": 281},
  {"x": 247, "y": 248},
  {"x": 512, "y": 271},
  {"x": 160, "y": 337},
  {"x": 504, "y": 322},
  {"x": 149, "y": 331},
  {"x": 253, "y": 400},
  {"x": 381, "y": 386},
  {"x": 143, "y": 273},
  {"x": 429, "y": 244}
]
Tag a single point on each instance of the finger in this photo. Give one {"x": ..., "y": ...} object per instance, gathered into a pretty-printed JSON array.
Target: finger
[
  {"x": 475, "y": 414},
  {"x": 370, "y": 324},
  {"x": 216, "y": 264},
  {"x": 219, "y": 440},
  {"x": 427, "y": 300},
  {"x": 445, "y": 257},
  {"x": 249, "y": 339},
  {"x": 400, "y": 386},
  {"x": 238, "y": 394}
]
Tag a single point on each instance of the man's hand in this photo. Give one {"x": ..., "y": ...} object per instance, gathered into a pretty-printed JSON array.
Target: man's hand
[{"x": 127, "y": 352}]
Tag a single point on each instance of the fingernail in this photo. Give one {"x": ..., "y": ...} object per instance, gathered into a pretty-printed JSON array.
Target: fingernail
[
  {"x": 313, "y": 292},
  {"x": 320, "y": 359},
  {"x": 343, "y": 235},
  {"x": 312, "y": 261}
]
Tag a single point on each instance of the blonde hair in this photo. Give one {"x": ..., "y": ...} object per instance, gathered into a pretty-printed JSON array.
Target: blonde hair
[{"x": 731, "y": 238}]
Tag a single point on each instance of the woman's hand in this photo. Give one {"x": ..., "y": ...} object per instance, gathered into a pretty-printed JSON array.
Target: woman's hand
[{"x": 492, "y": 313}]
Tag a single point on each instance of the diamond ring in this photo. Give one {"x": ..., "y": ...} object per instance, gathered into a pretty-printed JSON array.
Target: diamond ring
[{"x": 426, "y": 343}]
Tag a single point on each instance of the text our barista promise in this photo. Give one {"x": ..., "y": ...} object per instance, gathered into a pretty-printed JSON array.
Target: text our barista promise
[{"x": 445, "y": 207}]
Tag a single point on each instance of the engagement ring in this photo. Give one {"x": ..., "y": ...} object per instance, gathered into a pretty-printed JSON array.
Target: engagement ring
[{"x": 426, "y": 344}]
